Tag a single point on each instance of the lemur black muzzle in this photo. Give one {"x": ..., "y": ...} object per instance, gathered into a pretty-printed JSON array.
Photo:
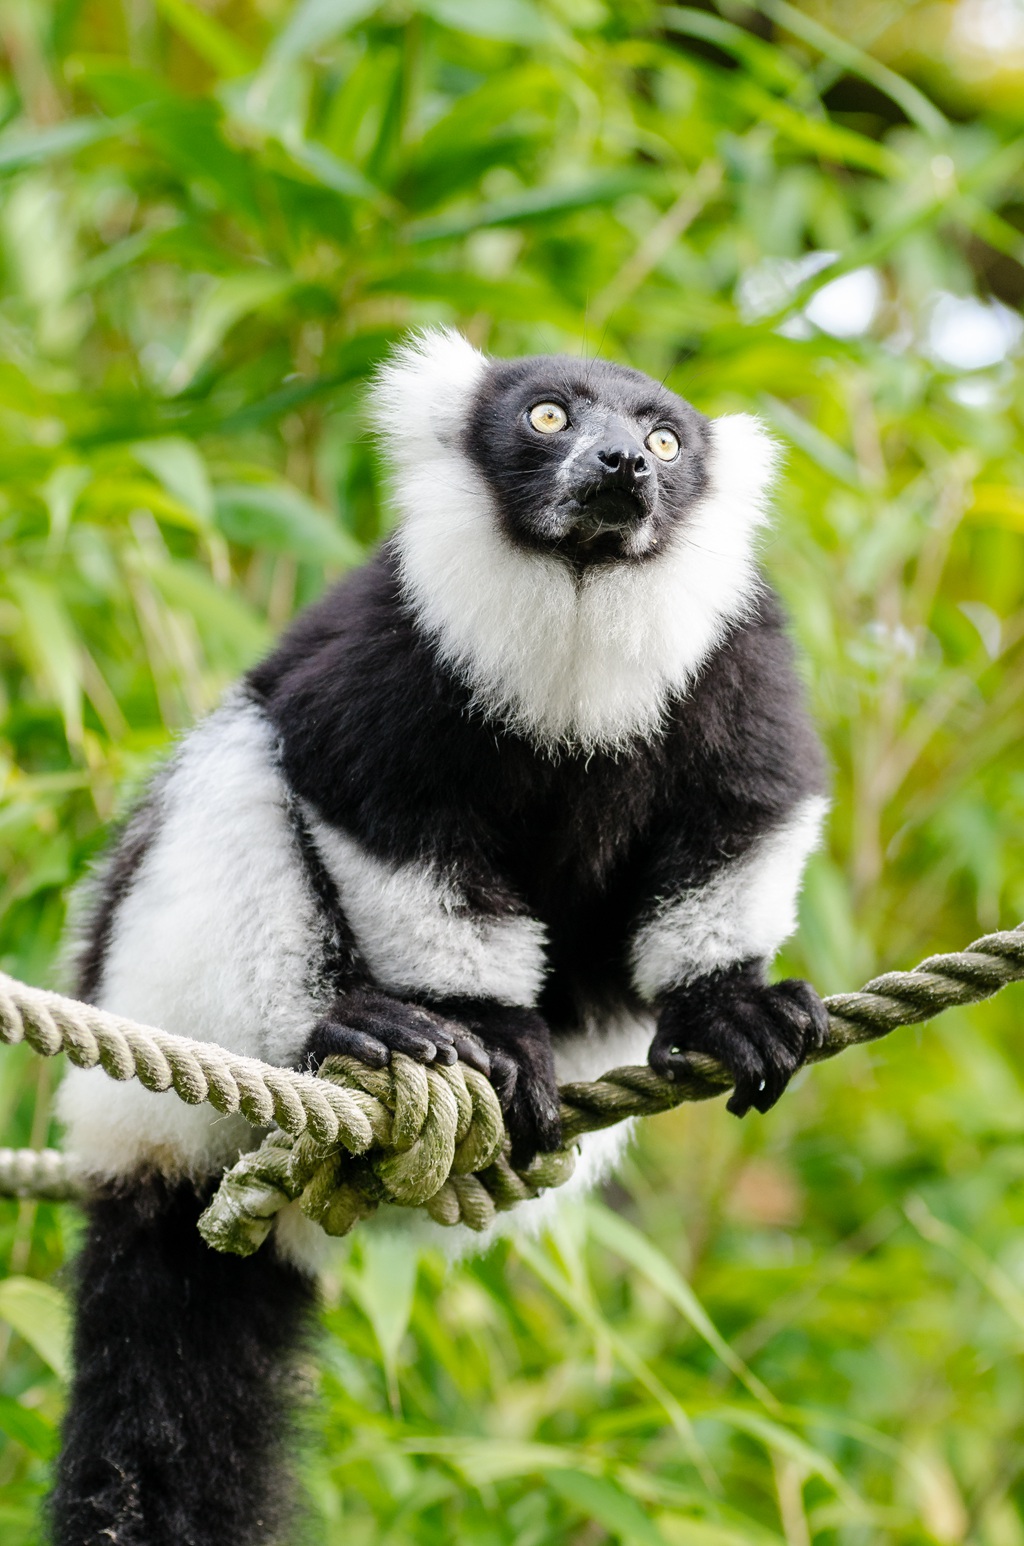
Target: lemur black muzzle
[{"x": 616, "y": 486}]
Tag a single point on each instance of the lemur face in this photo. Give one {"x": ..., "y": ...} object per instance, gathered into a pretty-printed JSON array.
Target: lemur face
[{"x": 588, "y": 461}]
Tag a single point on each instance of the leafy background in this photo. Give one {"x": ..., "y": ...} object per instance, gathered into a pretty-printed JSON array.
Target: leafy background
[{"x": 215, "y": 215}]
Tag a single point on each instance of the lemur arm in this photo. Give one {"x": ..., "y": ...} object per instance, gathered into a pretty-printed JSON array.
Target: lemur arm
[
  {"x": 701, "y": 955},
  {"x": 448, "y": 969}
]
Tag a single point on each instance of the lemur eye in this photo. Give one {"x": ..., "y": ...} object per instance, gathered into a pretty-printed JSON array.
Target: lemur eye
[
  {"x": 664, "y": 444},
  {"x": 548, "y": 418}
]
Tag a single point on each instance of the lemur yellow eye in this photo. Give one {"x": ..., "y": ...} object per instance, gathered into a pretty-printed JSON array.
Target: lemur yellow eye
[
  {"x": 548, "y": 418},
  {"x": 664, "y": 444}
]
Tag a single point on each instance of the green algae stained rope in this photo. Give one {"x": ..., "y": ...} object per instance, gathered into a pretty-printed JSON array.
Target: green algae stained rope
[{"x": 354, "y": 1137}]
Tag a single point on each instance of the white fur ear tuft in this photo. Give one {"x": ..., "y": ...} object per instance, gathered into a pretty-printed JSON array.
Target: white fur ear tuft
[
  {"x": 746, "y": 464},
  {"x": 422, "y": 393}
]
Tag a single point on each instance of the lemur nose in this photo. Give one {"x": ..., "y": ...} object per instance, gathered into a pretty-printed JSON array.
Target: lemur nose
[{"x": 623, "y": 461}]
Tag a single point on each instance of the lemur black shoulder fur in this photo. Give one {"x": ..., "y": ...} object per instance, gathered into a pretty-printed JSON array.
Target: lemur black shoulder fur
[{"x": 534, "y": 788}]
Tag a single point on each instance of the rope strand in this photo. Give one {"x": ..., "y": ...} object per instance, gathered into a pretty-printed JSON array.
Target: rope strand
[{"x": 354, "y": 1137}]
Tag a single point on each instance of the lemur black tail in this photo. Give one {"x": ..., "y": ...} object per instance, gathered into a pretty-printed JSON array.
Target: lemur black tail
[{"x": 177, "y": 1429}]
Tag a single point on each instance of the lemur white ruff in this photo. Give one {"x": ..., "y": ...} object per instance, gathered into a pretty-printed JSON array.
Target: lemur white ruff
[{"x": 534, "y": 787}]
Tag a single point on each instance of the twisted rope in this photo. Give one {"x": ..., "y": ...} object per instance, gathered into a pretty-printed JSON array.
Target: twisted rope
[
  {"x": 43, "y": 1174},
  {"x": 420, "y": 1136}
]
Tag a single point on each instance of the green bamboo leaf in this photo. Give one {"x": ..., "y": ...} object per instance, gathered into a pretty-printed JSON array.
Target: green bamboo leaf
[
  {"x": 384, "y": 1288},
  {"x": 485, "y": 1461},
  {"x": 61, "y": 493},
  {"x": 50, "y": 646},
  {"x": 507, "y": 21},
  {"x": 991, "y": 172},
  {"x": 113, "y": 260},
  {"x": 520, "y": 94},
  {"x": 816, "y": 445},
  {"x": 606, "y": 1504},
  {"x": 998, "y": 505},
  {"x": 226, "y": 302},
  {"x": 225, "y": 621},
  {"x": 184, "y": 133},
  {"x": 918, "y": 108},
  {"x": 829, "y": 140},
  {"x": 771, "y": 64},
  {"x": 1002, "y": 1288},
  {"x": 28, "y": 1427},
  {"x": 536, "y": 204},
  {"x": 687, "y": 1531},
  {"x": 313, "y": 23},
  {"x": 19, "y": 391},
  {"x": 788, "y": 1443},
  {"x": 578, "y": 1301},
  {"x": 178, "y": 465},
  {"x": 327, "y": 169},
  {"x": 210, "y": 40},
  {"x": 39, "y": 1313},
  {"x": 522, "y": 298},
  {"x": 21, "y": 147},
  {"x": 109, "y": 495},
  {"x": 354, "y": 361},
  {"x": 620, "y": 1236},
  {"x": 50, "y": 866},
  {"x": 280, "y": 519}
]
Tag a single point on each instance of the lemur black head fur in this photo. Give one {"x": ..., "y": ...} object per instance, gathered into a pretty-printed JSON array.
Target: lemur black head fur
[{"x": 586, "y": 459}]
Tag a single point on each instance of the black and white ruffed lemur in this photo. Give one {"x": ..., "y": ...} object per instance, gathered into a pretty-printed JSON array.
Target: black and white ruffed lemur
[{"x": 535, "y": 787}]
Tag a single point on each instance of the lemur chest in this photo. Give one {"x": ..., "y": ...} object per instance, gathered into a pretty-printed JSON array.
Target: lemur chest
[
  {"x": 577, "y": 860},
  {"x": 529, "y": 884}
]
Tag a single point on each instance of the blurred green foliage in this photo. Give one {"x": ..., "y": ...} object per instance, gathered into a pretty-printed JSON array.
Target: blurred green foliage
[{"x": 214, "y": 217}]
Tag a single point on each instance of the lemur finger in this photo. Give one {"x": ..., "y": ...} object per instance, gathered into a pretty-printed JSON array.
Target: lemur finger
[
  {"x": 419, "y": 1045},
  {"x": 773, "y": 1029},
  {"x": 503, "y": 1075},
  {"x": 749, "y": 1091},
  {"x": 534, "y": 1120},
  {"x": 668, "y": 1052},
  {"x": 806, "y": 1002},
  {"x": 329, "y": 1039},
  {"x": 666, "y": 1057},
  {"x": 472, "y": 1051},
  {"x": 433, "y": 1025},
  {"x": 406, "y": 1028},
  {"x": 382, "y": 1016},
  {"x": 777, "y": 1043},
  {"x": 749, "y": 1068},
  {"x": 787, "y": 1020}
]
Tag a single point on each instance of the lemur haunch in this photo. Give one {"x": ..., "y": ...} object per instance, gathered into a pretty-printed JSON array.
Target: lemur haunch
[{"x": 535, "y": 787}]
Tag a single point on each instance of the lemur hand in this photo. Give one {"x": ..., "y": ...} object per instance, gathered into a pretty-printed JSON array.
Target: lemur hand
[
  {"x": 517, "y": 1043},
  {"x": 370, "y": 1025},
  {"x": 511, "y": 1047},
  {"x": 760, "y": 1031}
]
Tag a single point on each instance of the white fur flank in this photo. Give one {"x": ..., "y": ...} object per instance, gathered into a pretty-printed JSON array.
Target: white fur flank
[
  {"x": 214, "y": 943},
  {"x": 744, "y": 911},
  {"x": 417, "y": 933},
  {"x": 570, "y": 663}
]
